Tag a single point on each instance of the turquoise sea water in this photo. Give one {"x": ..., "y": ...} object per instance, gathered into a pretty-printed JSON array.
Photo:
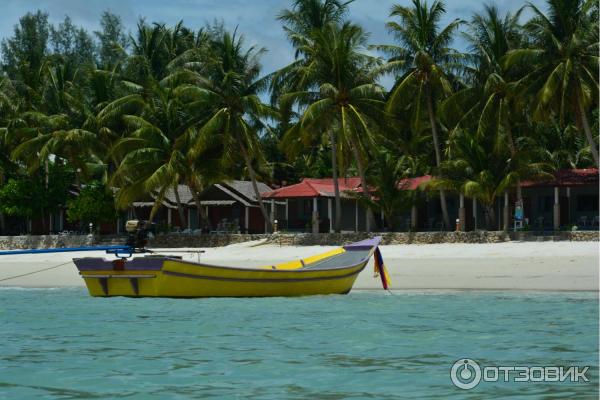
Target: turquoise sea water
[{"x": 62, "y": 344}]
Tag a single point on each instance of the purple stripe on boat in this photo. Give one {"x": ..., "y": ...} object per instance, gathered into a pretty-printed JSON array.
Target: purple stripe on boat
[
  {"x": 135, "y": 264},
  {"x": 364, "y": 244}
]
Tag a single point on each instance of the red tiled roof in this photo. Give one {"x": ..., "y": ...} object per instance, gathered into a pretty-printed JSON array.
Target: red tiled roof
[
  {"x": 310, "y": 187},
  {"x": 568, "y": 177},
  {"x": 413, "y": 183}
]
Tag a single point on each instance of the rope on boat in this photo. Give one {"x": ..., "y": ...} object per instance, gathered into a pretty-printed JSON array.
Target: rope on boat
[{"x": 34, "y": 272}]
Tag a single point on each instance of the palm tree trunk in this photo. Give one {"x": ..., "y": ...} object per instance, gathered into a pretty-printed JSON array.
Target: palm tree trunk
[
  {"x": 2, "y": 220},
  {"x": 255, "y": 187},
  {"x": 389, "y": 220},
  {"x": 46, "y": 173},
  {"x": 153, "y": 212},
  {"x": 513, "y": 155},
  {"x": 201, "y": 211},
  {"x": 588, "y": 131},
  {"x": 182, "y": 220},
  {"x": 488, "y": 217},
  {"x": 438, "y": 156},
  {"x": 155, "y": 207},
  {"x": 336, "y": 186},
  {"x": 46, "y": 181},
  {"x": 363, "y": 182}
]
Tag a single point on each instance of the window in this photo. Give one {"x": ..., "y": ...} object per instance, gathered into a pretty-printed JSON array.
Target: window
[{"x": 587, "y": 202}]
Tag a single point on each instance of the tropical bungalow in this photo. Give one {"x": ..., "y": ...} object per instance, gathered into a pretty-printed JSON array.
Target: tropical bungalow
[
  {"x": 234, "y": 204},
  {"x": 231, "y": 207},
  {"x": 310, "y": 206},
  {"x": 569, "y": 199}
]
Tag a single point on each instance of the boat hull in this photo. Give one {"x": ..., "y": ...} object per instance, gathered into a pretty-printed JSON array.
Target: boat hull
[
  {"x": 333, "y": 272},
  {"x": 180, "y": 279}
]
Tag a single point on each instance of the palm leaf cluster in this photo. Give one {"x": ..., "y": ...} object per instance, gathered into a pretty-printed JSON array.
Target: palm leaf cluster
[{"x": 170, "y": 105}]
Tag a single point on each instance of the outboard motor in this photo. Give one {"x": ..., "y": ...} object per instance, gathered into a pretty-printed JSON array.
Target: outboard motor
[{"x": 137, "y": 235}]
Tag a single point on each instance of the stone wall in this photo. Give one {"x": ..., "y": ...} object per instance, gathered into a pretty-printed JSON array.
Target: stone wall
[
  {"x": 303, "y": 239},
  {"x": 175, "y": 240},
  {"x": 43, "y": 241},
  {"x": 333, "y": 239},
  {"x": 581, "y": 236},
  {"x": 391, "y": 238}
]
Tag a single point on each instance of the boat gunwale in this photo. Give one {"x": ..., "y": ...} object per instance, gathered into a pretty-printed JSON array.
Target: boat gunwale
[
  {"x": 263, "y": 269},
  {"x": 254, "y": 269}
]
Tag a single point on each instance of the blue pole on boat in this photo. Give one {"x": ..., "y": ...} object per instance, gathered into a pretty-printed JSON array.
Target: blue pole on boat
[{"x": 108, "y": 249}]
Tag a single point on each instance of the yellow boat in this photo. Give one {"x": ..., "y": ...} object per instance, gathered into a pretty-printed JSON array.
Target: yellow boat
[{"x": 333, "y": 272}]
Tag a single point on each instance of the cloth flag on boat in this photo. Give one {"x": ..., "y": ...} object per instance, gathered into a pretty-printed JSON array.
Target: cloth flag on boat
[{"x": 381, "y": 270}]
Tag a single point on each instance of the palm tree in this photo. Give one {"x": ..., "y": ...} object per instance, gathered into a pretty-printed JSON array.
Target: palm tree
[
  {"x": 562, "y": 147},
  {"x": 307, "y": 16},
  {"x": 346, "y": 104},
  {"x": 563, "y": 60},
  {"x": 488, "y": 105},
  {"x": 302, "y": 21},
  {"x": 228, "y": 92},
  {"x": 150, "y": 123},
  {"x": 61, "y": 125},
  {"x": 389, "y": 197},
  {"x": 149, "y": 57},
  {"x": 423, "y": 60},
  {"x": 155, "y": 153},
  {"x": 479, "y": 169},
  {"x": 9, "y": 112}
]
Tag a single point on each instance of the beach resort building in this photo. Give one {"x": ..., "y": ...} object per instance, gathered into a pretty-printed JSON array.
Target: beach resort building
[
  {"x": 309, "y": 206},
  {"x": 231, "y": 207},
  {"x": 569, "y": 199}
]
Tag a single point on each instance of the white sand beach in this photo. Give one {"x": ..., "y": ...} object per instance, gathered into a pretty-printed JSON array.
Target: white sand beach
[{"x": 512, "y": 265}]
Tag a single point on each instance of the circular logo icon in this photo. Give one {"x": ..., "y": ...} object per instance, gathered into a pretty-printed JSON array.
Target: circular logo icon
[{"x": 465, "y": 373}]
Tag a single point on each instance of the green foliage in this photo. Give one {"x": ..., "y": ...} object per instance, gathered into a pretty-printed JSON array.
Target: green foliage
[
  {"x": 562, "y": 74},
  {"x": 232, "y": 113},
  {"x": 95, "y": 204},
  {"x": 74, "y": 44},
  {"x": 341, "y": 102},
  {"x": 29, "y": 196},
  {"x": 390, "y": 197},
  {"x": 24, "y": 53},
  {"x": 112, "y": 41},
  {"x": 18, "y": 197},
  {"x": 171, "y": 105}
]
